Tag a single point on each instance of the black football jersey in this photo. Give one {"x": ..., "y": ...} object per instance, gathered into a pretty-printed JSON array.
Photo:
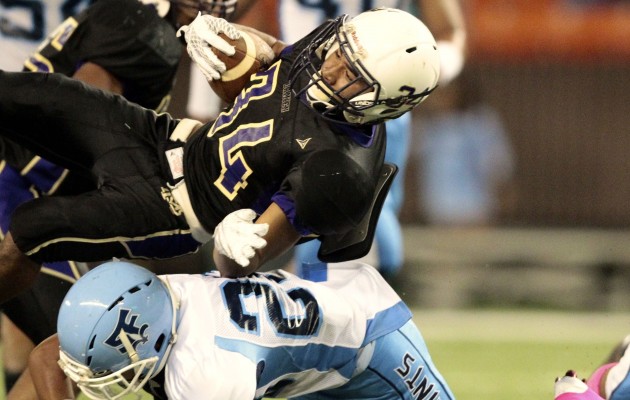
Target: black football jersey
[
  {"x": 249, "y": 156},
  {"x": 125, "y": 37}
]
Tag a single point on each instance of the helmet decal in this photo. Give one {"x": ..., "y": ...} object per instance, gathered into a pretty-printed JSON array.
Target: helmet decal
[{"x": 127, "y": 324}]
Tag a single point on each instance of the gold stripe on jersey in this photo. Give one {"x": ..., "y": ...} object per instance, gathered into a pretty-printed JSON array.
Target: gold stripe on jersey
[
  {"x": 117, "y": 239},
  {"x": 75, "y": 271},
  {"x": 31, "y": 164}
]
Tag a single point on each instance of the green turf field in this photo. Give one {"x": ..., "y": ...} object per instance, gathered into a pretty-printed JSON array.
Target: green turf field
[{"x": 515, "y": 355}]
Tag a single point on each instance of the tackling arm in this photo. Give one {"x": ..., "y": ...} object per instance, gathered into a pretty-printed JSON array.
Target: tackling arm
[{"x": 43, "y": 376}]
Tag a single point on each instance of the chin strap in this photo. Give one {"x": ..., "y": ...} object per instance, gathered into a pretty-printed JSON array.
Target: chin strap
[{"x": 131, "y": 351}]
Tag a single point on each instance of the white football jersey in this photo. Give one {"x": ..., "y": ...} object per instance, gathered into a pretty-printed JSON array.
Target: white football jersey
[
  {"x": 275, "y": 334},
  {"x": 300, "y": 17},
  {"x": 25, "y": 24}
]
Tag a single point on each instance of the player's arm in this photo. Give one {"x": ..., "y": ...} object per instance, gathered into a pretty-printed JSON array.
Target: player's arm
[
  {"x": 43, "y": 379},
  {"x": 239, "y": 240},
  {"x": 99, "y": 77},
  {"x": 445, "y": 19}
]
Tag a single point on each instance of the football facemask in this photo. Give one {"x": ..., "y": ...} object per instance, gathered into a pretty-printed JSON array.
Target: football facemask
[
  {"x": 109, "y": 386},
  {"x": 392, "y": 56}
]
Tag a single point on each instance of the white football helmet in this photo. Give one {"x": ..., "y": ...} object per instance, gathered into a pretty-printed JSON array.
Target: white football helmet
[
  {"x": 221, "y": 8},
  {"x": 390, "y": 51},
  {"x": 116, "y": 327}
]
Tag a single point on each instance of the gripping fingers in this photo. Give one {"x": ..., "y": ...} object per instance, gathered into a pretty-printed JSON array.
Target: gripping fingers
[
  {"x": 249, "y": 242},
  {"x": 212, "y": 60},
  {"x": 244, "y": 214},
  {"x": 238, "y": 237},
  {"x": 217, "y": 42},
  {"x": 255, "y": 229}
]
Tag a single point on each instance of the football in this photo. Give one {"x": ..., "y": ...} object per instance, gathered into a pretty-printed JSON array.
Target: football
[{"x": 251, "y": 55}]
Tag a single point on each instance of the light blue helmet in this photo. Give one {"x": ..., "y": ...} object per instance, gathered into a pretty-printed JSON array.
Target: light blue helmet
[{"x": 119, "y": 317}]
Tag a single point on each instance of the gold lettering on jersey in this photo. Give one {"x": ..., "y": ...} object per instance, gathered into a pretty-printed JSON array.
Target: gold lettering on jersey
[
  {"x": 303, "y": 142},
  {"x": 263, "y": 84},
  {"x": 38, "y": 63},
  {"x": 234, "y": 167},
  {"x": 173, "y": 205},
  {"x": 286, "y": 98},
  {"x": 60, "y": 36}
]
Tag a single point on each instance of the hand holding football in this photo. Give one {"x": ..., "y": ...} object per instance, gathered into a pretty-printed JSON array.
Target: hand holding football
[{"x": 252, "y": 54}]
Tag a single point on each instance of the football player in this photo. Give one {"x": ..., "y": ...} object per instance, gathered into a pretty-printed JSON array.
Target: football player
[
  {"x": 297, "y": 154},
  {"x": 124, "y": 47},
  {"x": 445, "y": 19},
  {"x": 122, "y": 328}
]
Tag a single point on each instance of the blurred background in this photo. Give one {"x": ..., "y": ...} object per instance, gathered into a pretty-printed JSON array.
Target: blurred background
[{"x": 517, "y": 196}]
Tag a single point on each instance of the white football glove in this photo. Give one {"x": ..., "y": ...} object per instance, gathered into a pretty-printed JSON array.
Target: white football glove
[
  {"x": 237, "y": 236},
  {"x": 201, "y": 35}
]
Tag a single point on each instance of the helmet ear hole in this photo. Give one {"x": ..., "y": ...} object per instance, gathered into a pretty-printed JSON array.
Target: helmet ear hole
[
  {"x": 159, "y": 343},
  {"x": 115, "y": 303},
  {"x": 91, "y": 346}
]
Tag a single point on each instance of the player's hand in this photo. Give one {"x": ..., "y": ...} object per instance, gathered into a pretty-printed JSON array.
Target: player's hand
[
  {"x": 201, "y": 36},
  {"x": 237, "y": 236}
]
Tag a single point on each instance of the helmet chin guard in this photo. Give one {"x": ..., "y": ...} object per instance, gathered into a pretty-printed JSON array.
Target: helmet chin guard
[
  {"x": 395, "y": 59},
  {"x": 110, "y": 386}
]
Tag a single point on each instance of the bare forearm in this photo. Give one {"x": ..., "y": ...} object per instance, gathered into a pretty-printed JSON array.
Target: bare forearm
[
  {"x": 230, "y": 269},
  {"x": 49, "y": 380}
]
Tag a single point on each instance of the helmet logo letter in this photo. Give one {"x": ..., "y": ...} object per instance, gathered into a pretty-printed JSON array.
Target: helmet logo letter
[{"x": 127, "y": 323}]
